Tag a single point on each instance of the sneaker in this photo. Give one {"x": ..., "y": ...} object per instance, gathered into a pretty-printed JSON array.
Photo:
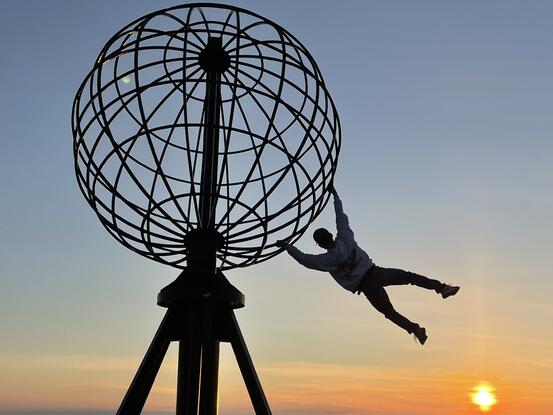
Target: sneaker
[
  {"x": 449, "y": 290},
  {"x": 420, "y": 335}
]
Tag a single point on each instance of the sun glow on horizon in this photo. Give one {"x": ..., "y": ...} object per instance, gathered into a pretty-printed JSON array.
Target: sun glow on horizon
[{"x": 483, "y": 397}]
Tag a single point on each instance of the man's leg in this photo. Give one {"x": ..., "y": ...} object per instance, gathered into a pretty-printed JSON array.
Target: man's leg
[
  {"x": 394, "y": 276},
  {"x": 379, "y": 299}
]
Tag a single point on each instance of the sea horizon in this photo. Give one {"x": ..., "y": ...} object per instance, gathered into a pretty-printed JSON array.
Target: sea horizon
[{"x": 70, "y": 412}]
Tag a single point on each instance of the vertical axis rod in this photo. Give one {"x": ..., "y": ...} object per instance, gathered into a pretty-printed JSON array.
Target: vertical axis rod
[{"x": 208, "y": 187}]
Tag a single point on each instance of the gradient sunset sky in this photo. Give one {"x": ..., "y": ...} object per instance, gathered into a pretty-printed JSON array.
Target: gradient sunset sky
[{"x": 446, "y": 169}]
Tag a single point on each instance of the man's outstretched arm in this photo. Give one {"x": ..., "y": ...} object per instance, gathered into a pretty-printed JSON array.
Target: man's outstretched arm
[
  {"x": 342, "y": 221},
  {"x": 316, "y": 262}
]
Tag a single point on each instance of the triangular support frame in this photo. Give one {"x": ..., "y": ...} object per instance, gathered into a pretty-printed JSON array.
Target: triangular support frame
[{"x": 199, "y": 318}]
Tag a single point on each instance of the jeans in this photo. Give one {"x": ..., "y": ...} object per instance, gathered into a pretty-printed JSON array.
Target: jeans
[{"x": 378, "y": 278}]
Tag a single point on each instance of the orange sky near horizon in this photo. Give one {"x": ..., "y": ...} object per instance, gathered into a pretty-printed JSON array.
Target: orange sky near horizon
[
  {"x": 291, "y": 388},
  {"x": 99, "y": 382}
]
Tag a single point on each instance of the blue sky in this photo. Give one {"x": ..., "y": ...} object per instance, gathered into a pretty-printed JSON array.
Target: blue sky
[{"x": 446, "y": 169}]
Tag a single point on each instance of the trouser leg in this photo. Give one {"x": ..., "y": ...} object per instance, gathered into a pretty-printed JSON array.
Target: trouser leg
[
  {"x": 379, "y": 299},
  {"x": 394, "y": 276}
]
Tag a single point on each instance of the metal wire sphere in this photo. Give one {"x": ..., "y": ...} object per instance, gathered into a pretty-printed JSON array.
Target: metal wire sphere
[{"x": 138, "y": 121}]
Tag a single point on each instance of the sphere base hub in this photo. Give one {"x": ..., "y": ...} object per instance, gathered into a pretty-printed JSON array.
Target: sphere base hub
[{"x": 192, "y": 289}]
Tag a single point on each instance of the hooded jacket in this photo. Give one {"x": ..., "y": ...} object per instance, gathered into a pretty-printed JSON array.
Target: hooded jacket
[{"x": 346, "y": 262}]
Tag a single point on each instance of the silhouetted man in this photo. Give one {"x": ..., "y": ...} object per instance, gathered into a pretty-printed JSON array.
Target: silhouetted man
[{"x": 352, "y": 268}]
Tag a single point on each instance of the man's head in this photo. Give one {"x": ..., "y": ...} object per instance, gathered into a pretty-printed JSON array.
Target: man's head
[{"x": 324, "y": 238}]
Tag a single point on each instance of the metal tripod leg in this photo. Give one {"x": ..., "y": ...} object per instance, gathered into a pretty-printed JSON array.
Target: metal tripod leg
[
  {"x": 257, "y": 396},
  {"x": 210, "y": 363},
  {"x": 135, "y": 398},
  {"x": 188, "y": 379}
]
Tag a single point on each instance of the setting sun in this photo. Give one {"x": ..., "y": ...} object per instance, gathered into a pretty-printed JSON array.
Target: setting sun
[{"x": 483, "y": 397}]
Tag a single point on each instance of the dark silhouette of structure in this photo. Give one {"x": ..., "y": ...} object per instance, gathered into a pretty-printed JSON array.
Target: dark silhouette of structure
[{"x": 203, "y": 134}]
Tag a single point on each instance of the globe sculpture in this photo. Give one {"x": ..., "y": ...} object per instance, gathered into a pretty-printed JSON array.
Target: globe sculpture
[
  {"x": 203, "y": 134},
  {"x": 145, "y": 134}
]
